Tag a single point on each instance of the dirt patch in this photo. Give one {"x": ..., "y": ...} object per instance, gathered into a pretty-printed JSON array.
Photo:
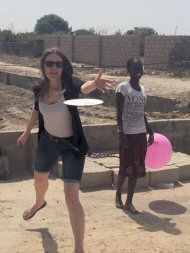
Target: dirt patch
[
  {"x": 161, "y": 227},
  {"x": 168, "y": 96}
]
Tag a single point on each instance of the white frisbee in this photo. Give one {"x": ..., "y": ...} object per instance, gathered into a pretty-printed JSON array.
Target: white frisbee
[{"x": 83, "y": 102}]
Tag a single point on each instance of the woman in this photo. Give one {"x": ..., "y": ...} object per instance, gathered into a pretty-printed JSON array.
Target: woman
[
  {"x": 132, "y": 127},
  {"x": 60, "y": 133}
]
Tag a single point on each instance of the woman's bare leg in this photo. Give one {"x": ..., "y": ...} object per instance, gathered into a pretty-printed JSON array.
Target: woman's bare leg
[
  {"x": 41, "y": 186},
  {"x": 76, "y": 214}
]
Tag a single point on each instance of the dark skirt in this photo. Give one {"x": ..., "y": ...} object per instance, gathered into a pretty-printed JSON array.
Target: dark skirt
[{"x": 132, "y": 158}]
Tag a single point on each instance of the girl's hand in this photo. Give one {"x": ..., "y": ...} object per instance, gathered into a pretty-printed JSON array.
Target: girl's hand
[
  {"x": 103, "y": 84},
  {"x": 150, "y": 139},
  {"x": 23, "y": 139}
]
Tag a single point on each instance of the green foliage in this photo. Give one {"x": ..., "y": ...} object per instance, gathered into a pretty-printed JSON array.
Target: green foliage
[
  {"x": 51, "y": 24},
  {"x": 130, "y": 32},
  {"x": 24, "y": 37},
  {"x": 7, "y": 36},
  {"x": 118, "y": 33},
  {"x": 141, "y": 31},
  {"x": 84, "y": 32}
]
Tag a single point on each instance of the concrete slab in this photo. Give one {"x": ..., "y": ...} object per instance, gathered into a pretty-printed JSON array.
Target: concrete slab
[
  {"x": 183, "y": 162},
  {"x": 110, "y": 162},
  {"x": 100, "y": 172},
  {"x": 178, "y": 169},
  {"x": 169, "y": 174},
  {"x": 94, "y": 175},
  {"x": 141, "y": 182},
  {"x": 184, "y": 171}
]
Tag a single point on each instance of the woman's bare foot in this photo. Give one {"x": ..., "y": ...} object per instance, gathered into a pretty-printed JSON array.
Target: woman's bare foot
[{"x": 30, "y": 212}]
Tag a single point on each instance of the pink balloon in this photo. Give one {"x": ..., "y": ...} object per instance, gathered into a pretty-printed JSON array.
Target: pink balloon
[{"x": 159, "y": 153}]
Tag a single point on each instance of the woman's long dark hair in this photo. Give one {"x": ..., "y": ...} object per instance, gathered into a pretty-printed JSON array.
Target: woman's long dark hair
[{"x": 66, "y": 76}]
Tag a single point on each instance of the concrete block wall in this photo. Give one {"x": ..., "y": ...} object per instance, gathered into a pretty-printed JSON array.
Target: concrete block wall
[
  {"x": 105, "y": 137},
  {"x": 113, "y": 51},
  {"x": 157, "y": 51},
  {"x": 160, "y": 52},
  {"x": 25, "y": 82},
  {"x": 180, "y": 55},
  {"x": 177, "y": 131},
  {"x": 50, "y": 41},
  {"x": 23, "y": 49},
  {"x": 117, "y": 49},
  {"x": 86, "y": 49},
  {"x": 104, "y": 51},
  {"x": 66, "y": 45},
  {"x": 100, "y": 138},
  {"x": 20, "y": 158}
]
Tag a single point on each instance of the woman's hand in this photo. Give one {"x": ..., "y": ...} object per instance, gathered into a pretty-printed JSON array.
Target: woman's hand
[
  {"x": 23, "y": 139},
  {"x": 103, "y": 84},
  {"x": 25, "y": 136},
  {"x": 150, "y": 139},
  {"x": 99, "y": 83}
]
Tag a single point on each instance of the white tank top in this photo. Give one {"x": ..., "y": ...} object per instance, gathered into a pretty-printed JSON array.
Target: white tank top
[
  {"x": 57, "y": 118},
  {"x": 133, "y": 110}
]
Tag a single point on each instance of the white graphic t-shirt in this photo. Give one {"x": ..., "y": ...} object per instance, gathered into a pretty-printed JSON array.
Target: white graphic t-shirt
[{"x": 133, "y": 110}]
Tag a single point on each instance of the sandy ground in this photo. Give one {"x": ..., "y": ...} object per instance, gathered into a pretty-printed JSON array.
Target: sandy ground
[
  {"x": 161, "y": 227},
  {"x": 16, "y": 103}
]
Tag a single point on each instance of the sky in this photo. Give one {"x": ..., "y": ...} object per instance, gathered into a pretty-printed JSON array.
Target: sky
[{"x": 167, "y": 17}]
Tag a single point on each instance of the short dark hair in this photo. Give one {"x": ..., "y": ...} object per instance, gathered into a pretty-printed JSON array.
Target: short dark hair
[{"x": 131, "y": 61}]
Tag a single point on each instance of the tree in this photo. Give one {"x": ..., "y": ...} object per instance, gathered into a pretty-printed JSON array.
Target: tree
[
  {"x": 23, "y": 37},
  {"x": 118, "y": 33},
  {"x": 51, "y": 23},
  {"x": 84, "y": 32},
  {"x": 7, "y": 36},
  {"x": 141, "y": 31}
]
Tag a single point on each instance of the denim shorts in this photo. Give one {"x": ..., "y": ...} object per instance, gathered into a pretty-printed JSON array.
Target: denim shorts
[{"x": 49, "y": 151}]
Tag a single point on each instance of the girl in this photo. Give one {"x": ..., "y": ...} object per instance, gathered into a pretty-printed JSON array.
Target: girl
[
  {"x": 132, "y": 127},
  {"x": 60, "y": 134}
]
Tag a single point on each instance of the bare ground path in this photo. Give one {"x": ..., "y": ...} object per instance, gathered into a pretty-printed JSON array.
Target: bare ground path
[
  {"x": 164, "y": 221},
  {"x": 161, "y": 227}
]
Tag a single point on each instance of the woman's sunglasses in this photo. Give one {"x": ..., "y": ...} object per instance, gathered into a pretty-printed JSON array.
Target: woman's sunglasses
[{"x": 51, "y": 64}]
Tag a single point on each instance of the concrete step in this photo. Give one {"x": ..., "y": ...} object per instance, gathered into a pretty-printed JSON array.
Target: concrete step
[{"x": 103, "y": 172}]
